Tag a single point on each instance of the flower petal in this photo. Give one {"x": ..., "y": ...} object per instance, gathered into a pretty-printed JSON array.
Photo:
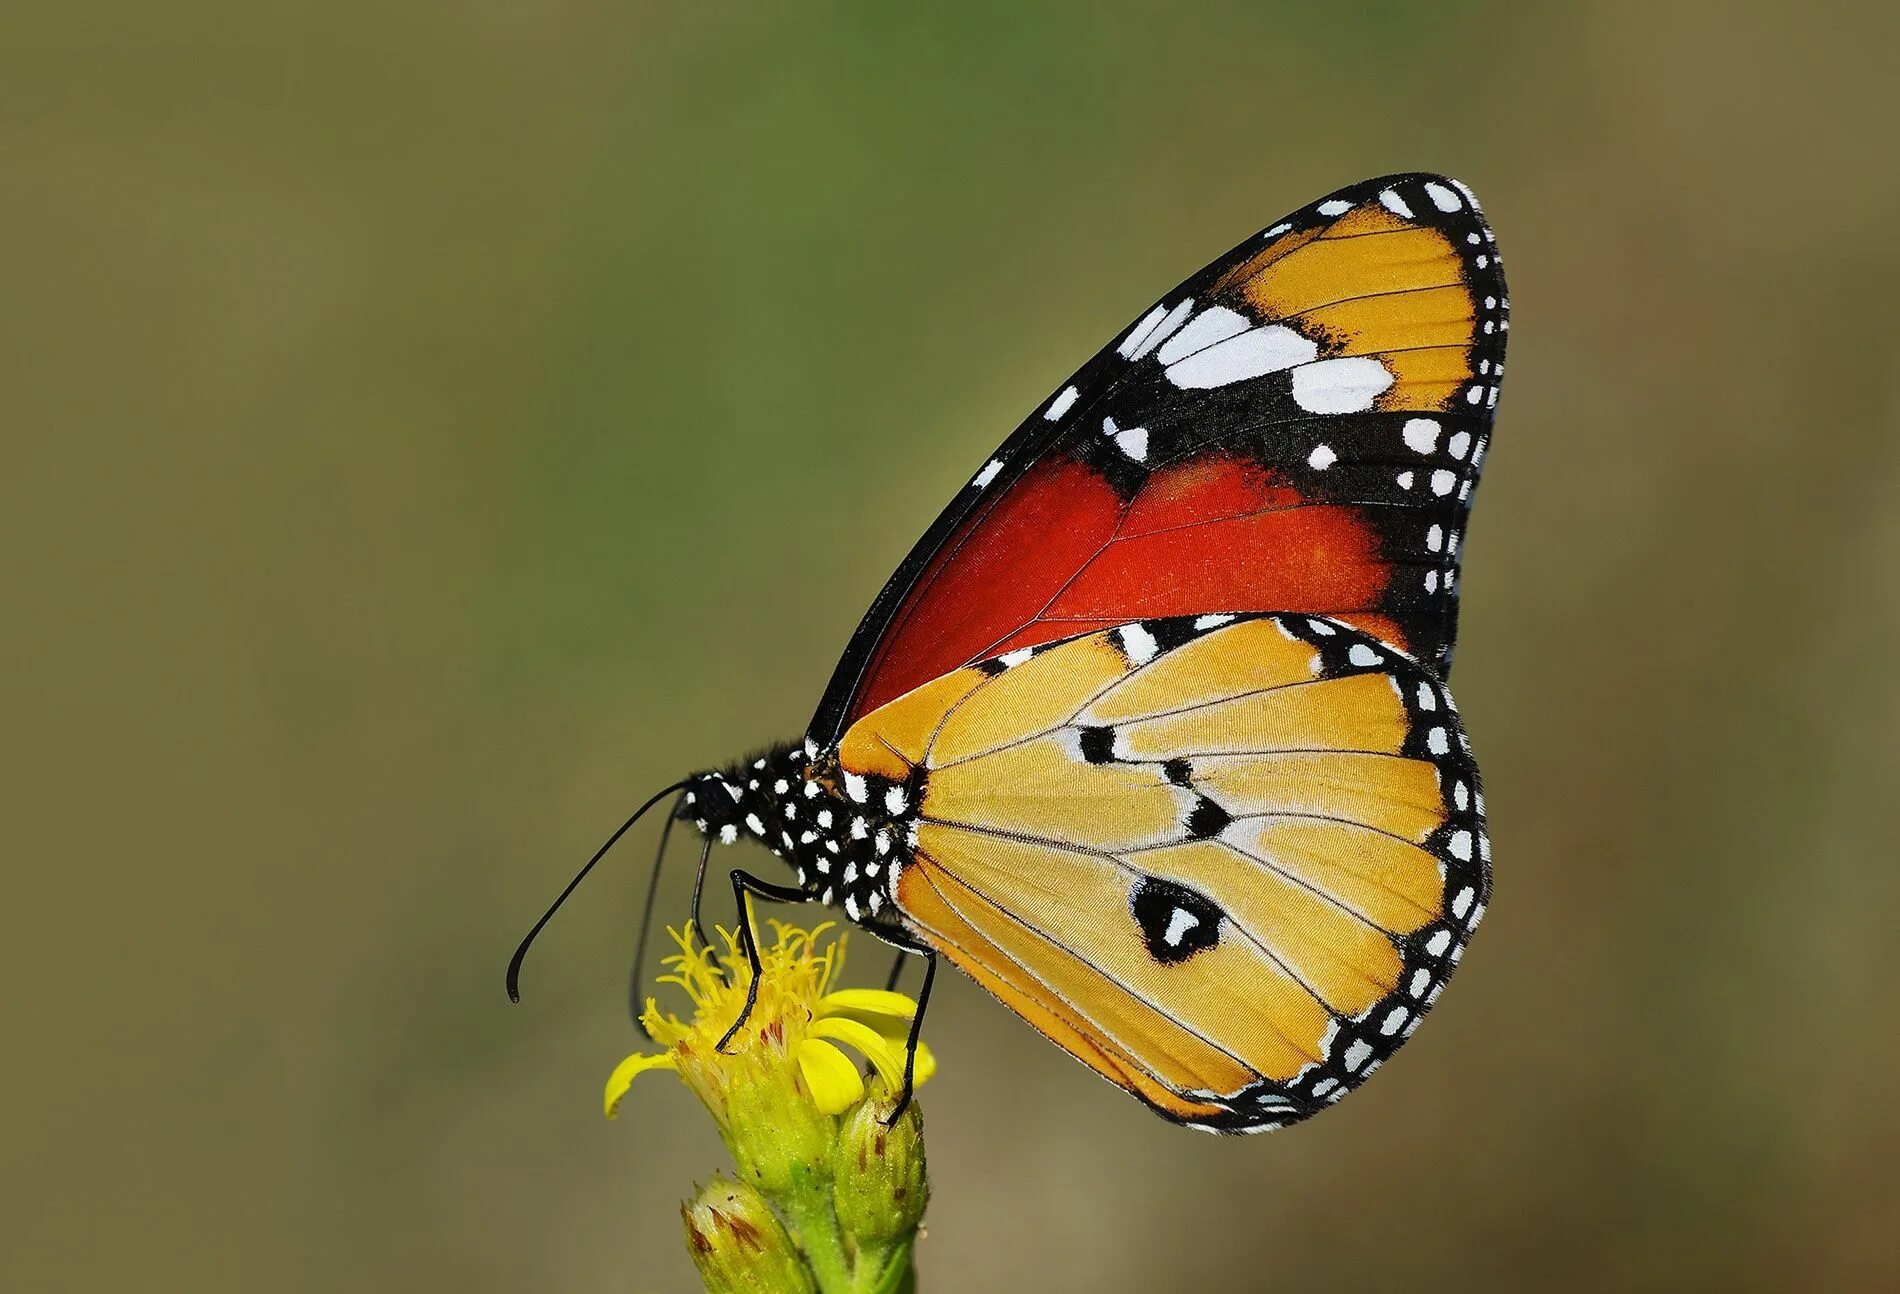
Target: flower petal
[
  {"x": 833, "y": 1080},
  {"x": 627, "y": 1070},
  {"x": 867, "y": 1001},
  {"x": 888, "y": 1060}
]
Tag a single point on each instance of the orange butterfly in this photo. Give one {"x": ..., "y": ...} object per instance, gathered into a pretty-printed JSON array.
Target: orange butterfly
[{"x": 1149, "y": 734}]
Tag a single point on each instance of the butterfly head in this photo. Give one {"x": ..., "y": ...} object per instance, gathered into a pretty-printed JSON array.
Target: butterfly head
[{"x": 714, "y": 802}]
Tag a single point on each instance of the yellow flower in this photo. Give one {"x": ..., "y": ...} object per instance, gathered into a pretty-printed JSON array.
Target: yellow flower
[
  {"x": 831, "y": 1186},
  {"x": 793, "y": 1044}
]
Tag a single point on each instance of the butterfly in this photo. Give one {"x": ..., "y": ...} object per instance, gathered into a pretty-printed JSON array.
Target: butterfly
[{"x": 1149, "y": 734}]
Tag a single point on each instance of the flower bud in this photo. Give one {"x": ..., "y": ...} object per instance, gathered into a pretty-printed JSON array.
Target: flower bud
[
  {"x": 776, "y": 1135},
  {"x": 878, "y": 1172},
  {"x": 739, "y": 1245}
]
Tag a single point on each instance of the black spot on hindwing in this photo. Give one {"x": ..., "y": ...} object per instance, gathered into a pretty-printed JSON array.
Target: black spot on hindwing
[
  {"x": 1098, "y": 745},
  {"x": 1175, "y": 921},
  {"x": 1207, "y": 819}
]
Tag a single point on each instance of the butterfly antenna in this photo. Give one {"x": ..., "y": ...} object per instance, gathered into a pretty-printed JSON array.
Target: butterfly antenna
[{"x": 521, "y": 953}]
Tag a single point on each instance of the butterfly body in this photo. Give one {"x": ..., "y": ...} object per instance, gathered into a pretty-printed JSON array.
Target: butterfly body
[{"x": 1149, "y": 734}]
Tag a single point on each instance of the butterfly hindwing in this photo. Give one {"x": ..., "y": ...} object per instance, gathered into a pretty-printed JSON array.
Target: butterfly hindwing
[
  {"x": 1226, "y": 860},
  {"x": 1297, "y": 427}
]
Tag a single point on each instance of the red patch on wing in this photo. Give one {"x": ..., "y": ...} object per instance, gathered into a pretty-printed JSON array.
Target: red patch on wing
[{"x": 1060, "y": 553}]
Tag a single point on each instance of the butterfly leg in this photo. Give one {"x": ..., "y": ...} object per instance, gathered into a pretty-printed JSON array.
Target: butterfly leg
[
  {"x": 743, "y": 884},
  {"x": 897, "y": 972},
  {"x": 694, "y": 931},
  {"x": 636, "y": 999},
  {"x": 916, "y": 1032}
]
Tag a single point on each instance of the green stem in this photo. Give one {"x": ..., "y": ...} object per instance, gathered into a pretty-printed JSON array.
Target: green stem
[
  {"x": 897, "y": 1277},
  {"x": 815, "y": 1227}
]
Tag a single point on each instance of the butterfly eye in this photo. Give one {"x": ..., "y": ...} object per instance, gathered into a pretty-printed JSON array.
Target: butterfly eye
[{"x": 1176, "y": 922}]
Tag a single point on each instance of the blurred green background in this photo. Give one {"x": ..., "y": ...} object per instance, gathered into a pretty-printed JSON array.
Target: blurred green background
[{"x": 430, "y": 428}]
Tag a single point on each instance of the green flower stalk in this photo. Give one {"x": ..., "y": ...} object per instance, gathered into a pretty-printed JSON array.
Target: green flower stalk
[{"x": 831, "y": 1189}]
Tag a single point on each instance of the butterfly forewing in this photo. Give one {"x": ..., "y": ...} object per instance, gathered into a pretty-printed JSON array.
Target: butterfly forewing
[
  {"x": 1297, "y": 427},
  {"x": 1227, "y": 861}
]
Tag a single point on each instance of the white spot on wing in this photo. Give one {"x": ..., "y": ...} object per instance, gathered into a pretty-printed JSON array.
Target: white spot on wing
[
  {"x": 1179, "y": 924},
  {"x": 1139, "y": 333},
  {"x": 1249, "y": 355},
  {"x": 1215, "y": 324},
  {"x": 1442, "y": 198},
  {"x": 1421, "y": 435},
  {"x": 1133, "y": 442},
  {"x": 1061, "y": 404},
  {"x": 1339, "y": 385},
  {"x": 1337, "y": 207},
  {"x": 1321, "y": 458},
  {"x": 988, "y": 474},
  {"x": 1392, "y": 202},
  {"x": 1165, "y": 329},
  {"x": 1138, "y": 643}
]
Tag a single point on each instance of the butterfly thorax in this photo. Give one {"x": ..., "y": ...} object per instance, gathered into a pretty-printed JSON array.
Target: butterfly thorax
[{"x": 846, "y": 835}]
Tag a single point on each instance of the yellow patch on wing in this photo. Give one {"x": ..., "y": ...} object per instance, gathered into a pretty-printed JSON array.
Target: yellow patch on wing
[
  {"x": 1035, "y": 1001},
  {"x": 1425, "y": 379},
  {"x": 1330, "y": 270},
  {"x": 1370, "y": 218},
  {"x": 1043, "y": 787},
  {"x": 1244, "y": 657},
  {"x": 894, "y": 737},
  {"x": 1234, "y": 992},
  {"x": 1418, "y": 317},
  {"x": 1042, "y": 693},
  {"x": 1258, "y": 264},
  {"x": 1391, "y": 883},
  {"x": 1347, "y": 962},
  {"x": 1360, "y": 712},
  {"x": 1399, "y": 796}
]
